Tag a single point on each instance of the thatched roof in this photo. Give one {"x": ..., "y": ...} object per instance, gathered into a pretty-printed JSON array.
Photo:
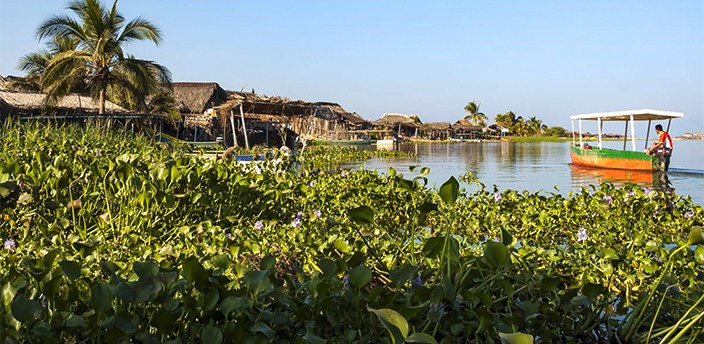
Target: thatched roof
[
  {"x": 32, "y": 102},
  {"x": 390, "y": 119},
  {"x": 464, "y": 124},
  {"x": 196, "y": 97},
  {"x": 264, "y": 107},
  {"x": 437, "y": 125}
]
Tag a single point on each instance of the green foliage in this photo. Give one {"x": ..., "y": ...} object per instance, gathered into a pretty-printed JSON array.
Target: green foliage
[{"x": 114, "y": 238}]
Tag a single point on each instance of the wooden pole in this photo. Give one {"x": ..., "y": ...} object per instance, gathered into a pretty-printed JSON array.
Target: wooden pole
[
  {"x": 244, "y": 128},
  {"x": 234, "y": 132}
]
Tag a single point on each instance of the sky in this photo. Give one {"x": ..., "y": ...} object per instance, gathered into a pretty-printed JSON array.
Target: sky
[{"x": 549, "y": 59}]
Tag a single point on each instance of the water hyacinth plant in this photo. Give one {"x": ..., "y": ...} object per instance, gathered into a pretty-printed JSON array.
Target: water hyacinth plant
[{"x": 147, "y": 242}]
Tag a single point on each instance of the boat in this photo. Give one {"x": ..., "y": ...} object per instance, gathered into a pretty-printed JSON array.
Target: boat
[
  {"x": 346, "y": 142},
  {"x": 583, "y": 154}
]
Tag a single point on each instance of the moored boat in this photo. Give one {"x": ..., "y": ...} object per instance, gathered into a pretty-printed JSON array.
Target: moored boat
[{"x": 583, "y": 154}]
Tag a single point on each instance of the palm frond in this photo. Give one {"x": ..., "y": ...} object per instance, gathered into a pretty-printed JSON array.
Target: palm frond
[{"x": 140, "y": 29}]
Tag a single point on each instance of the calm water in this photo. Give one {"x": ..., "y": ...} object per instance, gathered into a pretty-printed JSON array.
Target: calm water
[{"x": 541, "y": 166}]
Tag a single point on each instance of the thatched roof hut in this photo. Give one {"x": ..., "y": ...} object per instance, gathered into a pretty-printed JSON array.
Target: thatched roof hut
[
  {"x": 466, "y": 125},
  {"x": 32, "y": 103},
  {"x": 394, "y": 119},
  {"x": 197, "y": 97}
]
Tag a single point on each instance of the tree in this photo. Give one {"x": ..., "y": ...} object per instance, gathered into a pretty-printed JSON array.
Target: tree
[
  {"x": 535, "y": 126},
  {"x": 34, "y": 64},
  {"x": 99, "y": 60},
  {"x": 473, "y": 114}
]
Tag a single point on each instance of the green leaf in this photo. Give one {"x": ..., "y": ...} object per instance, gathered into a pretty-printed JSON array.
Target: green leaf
[
  {"x": 75, "y": 321},
  {"x": 515, "y": 338},
  {"x": 8, "y": 293},
  {"x": 211, "y": 335},
  {"x": 144, "y": 269},
  {"x": 695, "y": 236},
  {"x": 101, "y": 298},
  {"x": 359, "y": 276},
  {"x": 395, "y": 323},
  {"x": 419, "y": 337},
  {"x": 192, "y": 269},
  {"x": 495, "y": 254},
  {"x": 361, "y": 214},
  {"x": 450, "y": 191},
  {"x": 424, "y": 171},
  {"x": 311, "y": 338},
  {"x": 71, "y": 269},
  {"x": 25, "y": 310},
  {"x": 506, "y": 237},
  {"x": 699, "y": 255}
]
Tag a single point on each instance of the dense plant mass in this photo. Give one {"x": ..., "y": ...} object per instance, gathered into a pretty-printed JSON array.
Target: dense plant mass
[{"x": 113, "y": 238}]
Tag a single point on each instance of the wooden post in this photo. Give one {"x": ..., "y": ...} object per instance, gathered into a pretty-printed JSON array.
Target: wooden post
[
  {"x": 234, "y": 132},
  {"x": 244, "y": 128}
]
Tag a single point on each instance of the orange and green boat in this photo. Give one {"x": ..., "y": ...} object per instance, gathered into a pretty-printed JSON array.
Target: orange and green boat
[{"x": 599, "y": 157}]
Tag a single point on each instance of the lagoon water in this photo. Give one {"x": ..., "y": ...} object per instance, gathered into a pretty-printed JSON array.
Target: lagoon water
[{"x": 542, "y": 166}]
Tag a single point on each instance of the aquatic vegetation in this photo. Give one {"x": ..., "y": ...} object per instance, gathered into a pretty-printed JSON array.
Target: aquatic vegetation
[{"x": 144, "y": 242}]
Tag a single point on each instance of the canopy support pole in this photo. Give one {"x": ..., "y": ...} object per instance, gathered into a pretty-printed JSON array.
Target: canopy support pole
[
  {"x": 633, "y": 133},
  {"x": 574, "y": 139},
  {"x": 234, "y": 131},
  {"x": 647, "y": 134},
  {"x": 625, "y": 136},
  {"x": 580, "y": 134},
  {"x": 669, "y": 121},
  {"x": 600, "y": 123}
]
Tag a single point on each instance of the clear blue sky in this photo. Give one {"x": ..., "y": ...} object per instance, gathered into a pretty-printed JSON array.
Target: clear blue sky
[{"x": 548, "y": 59}]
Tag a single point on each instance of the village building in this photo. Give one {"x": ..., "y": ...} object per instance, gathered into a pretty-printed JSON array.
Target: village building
[
  {"x": 197, "y": 102},
  {"x": 400, "y": 125},
  {"x": 436, "y": 131},
  {"x": 466, "y": 130}
]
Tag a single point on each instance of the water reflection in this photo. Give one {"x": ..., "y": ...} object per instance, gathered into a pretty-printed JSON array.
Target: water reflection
[{"x": 585, "y": 176}]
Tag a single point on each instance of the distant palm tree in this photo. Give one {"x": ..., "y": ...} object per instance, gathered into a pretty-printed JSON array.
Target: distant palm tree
[
  {"x": 473, "y": 114},
  {"x": 535, "y": 126},
  {"x": 99, "y": 59}
]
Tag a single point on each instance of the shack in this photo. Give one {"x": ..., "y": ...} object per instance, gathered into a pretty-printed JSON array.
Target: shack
[
  {"x": 436, "y": 131},
  {"x": 197, "y": 102},
  {"x": 466, "y": 130},
  {"x": 401, "y": 124}
]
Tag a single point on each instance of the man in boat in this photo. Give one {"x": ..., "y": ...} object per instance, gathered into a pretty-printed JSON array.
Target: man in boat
[{"x": 663, "y": 147}]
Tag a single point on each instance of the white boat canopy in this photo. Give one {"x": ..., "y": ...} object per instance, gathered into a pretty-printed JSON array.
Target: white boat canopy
[
  {"x": 635, "y": 115},
  {"x": 627, "y": 116}
]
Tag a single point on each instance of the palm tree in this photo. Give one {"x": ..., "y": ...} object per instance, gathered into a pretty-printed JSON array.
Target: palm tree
[
  {"x": 34, "y": 64},
  {"x": 99, "y": 59},
  {"x": 473, "y": 114},
  {"x": 535, "y": 126}
]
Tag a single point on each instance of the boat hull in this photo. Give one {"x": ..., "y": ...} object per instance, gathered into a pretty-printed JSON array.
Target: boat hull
[{"x": 616, "y": 159}]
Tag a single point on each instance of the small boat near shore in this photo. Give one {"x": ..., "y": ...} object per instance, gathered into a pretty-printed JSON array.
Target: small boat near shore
[{"x": 599, "y": 157}]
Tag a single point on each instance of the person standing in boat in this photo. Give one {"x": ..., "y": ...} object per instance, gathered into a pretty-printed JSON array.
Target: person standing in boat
[
  {"x": 662, "y": 148},
  {"x": 663, "y": 145}
]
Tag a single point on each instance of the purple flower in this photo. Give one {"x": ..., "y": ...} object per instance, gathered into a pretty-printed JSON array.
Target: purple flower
[
  {"x": 73, "y": 147},
  {"x": 497, "y": 197},
  {"x": 688, "y": 215},
  {"x": 259, "y": 226},
  {"x": 312, "y": 183},
  {"x": 20, "y": 184},
  {"x": 317, "y": 213},
  {"x": 97, "y": 152},
  {"x": 299, "y": 214},
  {"x": 608, "y": 199},
  {"x": 582, "y": 234},
  {"x": 629, "y": 194},
  {"x": 10, "y": 244},
  {"x": 346, "y": 281},
  {"x": 228, "y": 236},
  {"x": 343, "y": 174},
  {"x": 671, "y": 205},
  {"x": 296, "y": 223},
  {"x": 438, "y": 308},
  {"x": 417, "y": 282}
]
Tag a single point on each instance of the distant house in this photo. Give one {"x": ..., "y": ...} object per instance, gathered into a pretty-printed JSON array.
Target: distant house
[
  {"x": 27, "y": 105},
  {"x": 278, "y": 120},
  {"x": 400, "y": 124},
  {"x": 197, "y": 103},
  {"x": 466, "y": 130},
  {"x": 436, "y": 130}
]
